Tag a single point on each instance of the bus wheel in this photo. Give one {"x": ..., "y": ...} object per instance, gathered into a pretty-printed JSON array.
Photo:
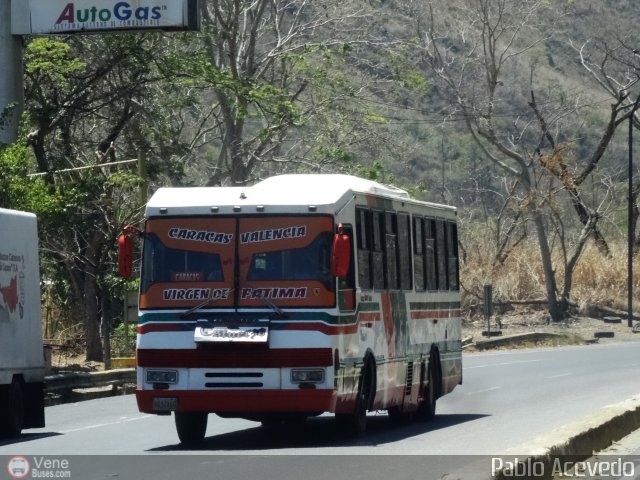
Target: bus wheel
[
  {"x": 356, "y": 423},
  {"x": 12, "y": 418},
  {"x": 191, "y": 427},
  {"x": 427, "y": 408}
]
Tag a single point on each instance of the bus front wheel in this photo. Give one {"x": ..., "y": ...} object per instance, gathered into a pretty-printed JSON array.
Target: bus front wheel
[
  {"x": 356, "y": 423},
  {"x": 191, "y": 427}
]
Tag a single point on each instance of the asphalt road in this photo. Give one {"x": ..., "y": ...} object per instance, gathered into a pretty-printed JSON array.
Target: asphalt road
[{"x": 507, "y": 399}]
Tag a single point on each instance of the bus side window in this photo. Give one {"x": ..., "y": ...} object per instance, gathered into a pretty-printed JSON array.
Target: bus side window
[
  {"x": 363, "y": 230},
  {"x": 418, "y": 254},
  {"x": 441, "y": 254},
  {"x": 452, "y": 255},
  {"x": 391, "y": 251},
  {"x": 404, "y": 251},
  {"x": 378, "y": 260},
  {"x": 431, "y": 267}
]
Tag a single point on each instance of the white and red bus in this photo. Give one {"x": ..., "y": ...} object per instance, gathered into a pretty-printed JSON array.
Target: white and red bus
[{"x": 299, "y": 295}]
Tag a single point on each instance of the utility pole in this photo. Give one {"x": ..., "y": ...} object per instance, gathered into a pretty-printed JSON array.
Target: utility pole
[
  {"x": 630, "y": 233},
  {"x": 142, "y": 173},
  {"x": 11, "y": 86}
]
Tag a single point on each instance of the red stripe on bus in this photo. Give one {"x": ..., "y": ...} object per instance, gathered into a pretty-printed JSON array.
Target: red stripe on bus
[
  {"x": 369, "y": 316},
  {"x": 160, "y": 327},
  {"x": 242, "y": 401},
  {"x": 321, "y": 327},
  {"x": 231, "y": 356}
]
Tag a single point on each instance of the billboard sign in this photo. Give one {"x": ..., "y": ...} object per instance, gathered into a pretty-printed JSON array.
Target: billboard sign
[{"x": 35, "y": 17}]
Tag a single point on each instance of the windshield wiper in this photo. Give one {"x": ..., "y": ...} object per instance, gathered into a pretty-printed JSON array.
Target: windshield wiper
[
  {"x": 278, "y": 311},
  {"x": 203, "y": 304}
]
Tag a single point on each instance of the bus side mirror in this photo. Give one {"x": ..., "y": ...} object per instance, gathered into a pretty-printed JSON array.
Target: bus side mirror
[
  {"x": 125, "y": 255},
  {"x": 340, "y": 254}
]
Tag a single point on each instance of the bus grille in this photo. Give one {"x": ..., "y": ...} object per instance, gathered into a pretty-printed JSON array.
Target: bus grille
[{"x": 234, "y": 380}]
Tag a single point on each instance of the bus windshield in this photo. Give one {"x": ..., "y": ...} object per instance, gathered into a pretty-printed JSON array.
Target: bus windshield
[{"x": 238, "y": 262}]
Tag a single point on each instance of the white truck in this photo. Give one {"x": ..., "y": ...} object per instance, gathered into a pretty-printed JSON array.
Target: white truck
[{"x": 21, "y": 352}]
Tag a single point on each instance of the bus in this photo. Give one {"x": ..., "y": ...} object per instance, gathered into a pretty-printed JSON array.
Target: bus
[{"x": 299, "y": 295}]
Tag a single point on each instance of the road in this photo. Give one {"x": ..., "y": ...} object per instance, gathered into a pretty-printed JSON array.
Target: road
[{"x": 507, "y": 398}]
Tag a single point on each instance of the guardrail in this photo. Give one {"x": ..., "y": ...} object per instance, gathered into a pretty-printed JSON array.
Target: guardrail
[{"x": 61, "y": 387}]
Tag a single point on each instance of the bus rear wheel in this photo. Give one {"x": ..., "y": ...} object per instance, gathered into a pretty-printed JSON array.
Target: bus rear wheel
[
  {"x": 427, "y": 408},
  {"x": 191, "y": 427}
]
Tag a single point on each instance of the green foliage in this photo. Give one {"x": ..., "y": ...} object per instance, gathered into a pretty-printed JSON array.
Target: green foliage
[
  {"x": 17, "y": 190},
  {"x": 51, "y": 61},
  {"x": 406, "y": 73},
  {"x": 123, "y": 340}
]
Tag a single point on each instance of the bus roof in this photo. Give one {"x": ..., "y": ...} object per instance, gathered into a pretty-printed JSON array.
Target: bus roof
[{"x": 292, "y": 193}]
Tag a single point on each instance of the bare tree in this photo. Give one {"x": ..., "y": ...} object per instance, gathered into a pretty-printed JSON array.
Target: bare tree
[
  {"x": 259, "y": 59},
  {"x": 614, "y": 66},
  {"x": 471, "y": 53}
]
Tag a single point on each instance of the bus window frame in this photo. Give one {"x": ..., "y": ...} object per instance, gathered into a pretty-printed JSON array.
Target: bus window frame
[
  {"x": 419, "y": 274},
  {"x": 378, "y": 250},
  {"x": 405, "y": 251},
  {"x": 364, "y": 247}
]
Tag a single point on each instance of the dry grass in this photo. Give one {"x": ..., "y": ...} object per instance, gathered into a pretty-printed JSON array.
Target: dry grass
[{"x": 598, "y": 280}]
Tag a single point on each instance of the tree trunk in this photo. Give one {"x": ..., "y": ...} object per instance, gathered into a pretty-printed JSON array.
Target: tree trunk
[
  {"x": 92, "y": 298},
  {"x": 105, "y": 330},
  {"x": 547, "y": 264},
  {"x": 92, "y": 316}
]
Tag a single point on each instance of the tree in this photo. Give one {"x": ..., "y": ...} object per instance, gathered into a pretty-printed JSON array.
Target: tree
[
  {"x": 260, "y": 60},
  {"x": 78, "y": 112},
  {"x": 615, "y": 67}
]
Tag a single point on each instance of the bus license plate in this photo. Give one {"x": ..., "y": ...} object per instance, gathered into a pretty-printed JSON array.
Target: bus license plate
[
  {"x": 243, "y": 334},
  {"x": 165, "y": 404}
]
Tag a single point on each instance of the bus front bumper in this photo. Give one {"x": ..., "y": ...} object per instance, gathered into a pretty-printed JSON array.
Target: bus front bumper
[{"x": 236, "y": 401}]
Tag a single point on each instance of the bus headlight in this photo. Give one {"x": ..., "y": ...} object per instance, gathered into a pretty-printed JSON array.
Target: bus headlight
[
  {"x": 307, "y": 375},
  {"x": 162, "y": 376}
]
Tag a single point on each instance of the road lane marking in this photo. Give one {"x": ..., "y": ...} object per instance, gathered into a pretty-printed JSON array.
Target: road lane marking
[
  {"x": 484, "y": 391},
  {"x": 559, "y": 375},
  {"x": 501, "y": 364},
  {"x": 99, "y": 425}
]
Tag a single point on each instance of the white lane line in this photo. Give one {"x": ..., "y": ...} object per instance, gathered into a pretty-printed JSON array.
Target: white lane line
[
  {"x": 99, "y": 425},
  {"x": 500, "y": 364},
  {"x": 559, "y": 375},
  {"x": 484, "y": 391}
]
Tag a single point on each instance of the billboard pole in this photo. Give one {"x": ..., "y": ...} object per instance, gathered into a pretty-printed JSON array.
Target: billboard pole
[{"x": 11, "y": 86}]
